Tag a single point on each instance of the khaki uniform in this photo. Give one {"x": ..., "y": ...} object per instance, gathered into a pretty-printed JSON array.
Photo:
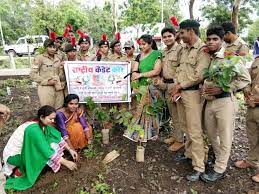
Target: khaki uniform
[
  {"x": 189, "y": 75},
  {"x": 169, "y": 64},
  {"x": 252, "y": 118},
  {"x": 61, "y": 55},
  {"x": 115, "y": 57},
  {"x": 43, "y": 69},
  {"x": 239, "y": 46},
  {"x": 85, "y": 56},
  {"x": 220, "y": 113}
]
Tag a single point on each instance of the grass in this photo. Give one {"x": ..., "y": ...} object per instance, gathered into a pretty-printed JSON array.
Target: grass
[{"x": 20, "y": 62}]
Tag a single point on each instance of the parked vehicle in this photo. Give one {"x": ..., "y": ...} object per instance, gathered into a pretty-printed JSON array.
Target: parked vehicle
[{"x": 25, "y": 45}]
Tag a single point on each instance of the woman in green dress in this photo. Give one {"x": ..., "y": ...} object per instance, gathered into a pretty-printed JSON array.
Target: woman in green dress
[
  {"x": 147, "y": 67},
  {"x": 32, "y": 146}
]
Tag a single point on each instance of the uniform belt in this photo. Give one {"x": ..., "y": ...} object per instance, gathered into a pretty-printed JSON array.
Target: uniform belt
[
  {"x": 223, "y": 95},
  {"x": 168, "y": 81},
  {"x": 195, "y": 87}
]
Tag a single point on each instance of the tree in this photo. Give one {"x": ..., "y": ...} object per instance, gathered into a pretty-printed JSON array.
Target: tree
[
  {"x": 219, "y": 11},
  {"x": 253, "y": 32},
  {"x": 145, "y": 14}
]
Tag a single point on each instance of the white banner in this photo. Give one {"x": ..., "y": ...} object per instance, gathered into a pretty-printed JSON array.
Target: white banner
[{"x": 104, "y": 81}]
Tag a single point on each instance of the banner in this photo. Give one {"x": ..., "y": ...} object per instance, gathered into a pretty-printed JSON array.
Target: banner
[{"x": 104, "y": 81}]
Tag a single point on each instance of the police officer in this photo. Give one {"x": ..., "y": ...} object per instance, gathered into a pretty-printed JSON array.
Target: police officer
[
  {"x": 234, "y": 43},
  {"x": 47, "y": 71},
  {"x": 169, "y": 64},
  {"x": 220, "y": 108},
  {"x": 189, "y": 74},
  {"x": 252, "y": 119}
]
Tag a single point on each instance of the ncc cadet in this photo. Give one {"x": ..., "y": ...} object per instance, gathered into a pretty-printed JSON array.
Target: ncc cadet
[
  {"x": 169, "y": 64},
  {"x": 116, "y": 50},
  {"x": 234, "y": 43},
  {"x": 189, "y": 74},
  {"x": 47, "y": 71},
  {"x": 220, "y": 109},
  {"x": 84, "y": 43},
  {"x": 104, "y": 47},
  {"x": 129, "y": 50},
  {"x": 252, "y": 120},
  {"x": 70, "y": 51}
]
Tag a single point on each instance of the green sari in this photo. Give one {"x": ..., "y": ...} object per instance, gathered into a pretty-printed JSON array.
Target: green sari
[
  {"x": 36, "y": 152},
  {"x": 149, "y": 123}
]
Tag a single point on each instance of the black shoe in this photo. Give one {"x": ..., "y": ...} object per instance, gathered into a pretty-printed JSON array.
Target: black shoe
[
  {"x": 194, "y": 176},
  {"x": 212, "y": 176},
  {"x": 182, "y": 158}
]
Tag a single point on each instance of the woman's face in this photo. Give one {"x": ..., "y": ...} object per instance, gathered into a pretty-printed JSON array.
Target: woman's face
[
  {"x": 144, "y": 46},
  {"x": 48, "y": 120},
  {"x": 73, "y": 105}
]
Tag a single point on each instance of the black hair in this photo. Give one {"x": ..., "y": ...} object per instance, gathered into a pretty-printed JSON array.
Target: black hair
[
  {"x": 168, "y": 29},
  {"x": 229, "y": 27},
  {"x": 195, "y": 29},
  {"x": 217, "y": 30},
  {"x": 44, "y": 111},
  {"x": 149, "y": 39},
  {"x": 69, "y": 98},
  {"x": 103, "y": 42}
]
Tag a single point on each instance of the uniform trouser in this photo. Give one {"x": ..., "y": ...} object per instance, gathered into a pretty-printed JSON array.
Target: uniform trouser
[
  {"x": 220, "y": 124},
  {"x": 49, "y": 96},
  {"x": 2, "y": 180},
  {"x": 175, "y": 115},
  {"x": 252, "y": 127},
  {"x": 192, "y": 103}
]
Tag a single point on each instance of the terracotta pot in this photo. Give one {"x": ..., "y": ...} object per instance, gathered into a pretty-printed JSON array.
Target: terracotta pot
[
  {"x": 140, "y": 153},
  {"x": 105, "y": 136}
]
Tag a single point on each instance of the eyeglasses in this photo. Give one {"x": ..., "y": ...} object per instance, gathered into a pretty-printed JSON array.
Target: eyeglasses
[{"x": 127, "y": 48}]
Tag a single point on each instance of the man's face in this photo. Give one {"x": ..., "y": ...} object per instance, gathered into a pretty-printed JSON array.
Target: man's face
[
  {"x": 71, "y": 55},
  {"x": 57, "y": 44},
  {"x": 185, "y": 35},
  {"x": 51, "y": 50},
  {"x": 227, "y": 37},
  {"x": 214, "y": 42},
  {"x": 117, "y": 48},
  {"x": 129, "y": 51},
  {"x": 168, "y": 38},
  {"x": 104, "y": 49},
  {"x": 84, "y": 46}
]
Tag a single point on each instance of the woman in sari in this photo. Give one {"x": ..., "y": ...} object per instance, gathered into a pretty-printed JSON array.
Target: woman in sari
[
  {"x": 72, "y": 124},
  {"x": 147, "y": 67},
  {"x": 39, "y": 141}
]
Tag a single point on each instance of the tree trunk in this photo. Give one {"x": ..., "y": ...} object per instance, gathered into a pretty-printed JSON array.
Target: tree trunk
[
  {"x": 235, "y": 13},
  {"x": 191, "y": 9},
  {"x": 114, "y": 18}
]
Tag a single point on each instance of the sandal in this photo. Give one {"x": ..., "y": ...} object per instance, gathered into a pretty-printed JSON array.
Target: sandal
[{"x": 242, "y": 164}]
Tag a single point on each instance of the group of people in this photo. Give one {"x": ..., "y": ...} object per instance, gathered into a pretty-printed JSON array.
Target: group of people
[{"x": 198, "y": 106}]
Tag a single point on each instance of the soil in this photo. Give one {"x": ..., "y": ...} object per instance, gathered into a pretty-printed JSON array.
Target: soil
[{"x": 158, "y": 174}]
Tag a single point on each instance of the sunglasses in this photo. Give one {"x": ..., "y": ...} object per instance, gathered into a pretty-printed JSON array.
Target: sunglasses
[{"x": 127, "y": 48}]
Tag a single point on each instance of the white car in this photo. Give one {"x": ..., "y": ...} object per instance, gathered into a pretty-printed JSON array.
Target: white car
[{"x": 25, "y": 44}]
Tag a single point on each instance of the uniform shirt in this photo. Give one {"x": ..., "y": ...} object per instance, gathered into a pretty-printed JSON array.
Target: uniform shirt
[
  {"x": 192, "y": 63},
  {"x": 119, "y": 58},
  {"x": 170, "y": 61},
  {"x": 45, "y": 68},
  {"x": 238, "y": 82},
  {"x": 85, "y": 56},
  {"x": 239, "y": 46},
  {"x": 254, "y": 72},
  {"x": 61, "y": 55}
]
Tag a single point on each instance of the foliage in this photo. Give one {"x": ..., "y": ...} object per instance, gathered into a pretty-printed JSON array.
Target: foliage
[
  {"x": 222, "y": 72},
  {"x": 253, "y": 32},
  {"x": 219, "y": 11},
  {"x": 90, "y": 152},
  {"x": 100, "y": 186}
]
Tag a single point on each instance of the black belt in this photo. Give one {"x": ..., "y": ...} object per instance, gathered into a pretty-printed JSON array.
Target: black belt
[
  {"x": 223, "y": 95},
  {"x": 168, "y": 81},
  {"x": 195, "y": 87}
]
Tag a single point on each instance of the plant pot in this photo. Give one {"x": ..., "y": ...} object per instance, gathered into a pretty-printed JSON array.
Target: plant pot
[
  {"x": 140, "y": 152},
  {"x": 105, "y": 136}
]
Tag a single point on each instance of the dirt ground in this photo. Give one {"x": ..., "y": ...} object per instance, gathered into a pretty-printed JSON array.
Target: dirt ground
[{"x": 158, "y": 174}]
